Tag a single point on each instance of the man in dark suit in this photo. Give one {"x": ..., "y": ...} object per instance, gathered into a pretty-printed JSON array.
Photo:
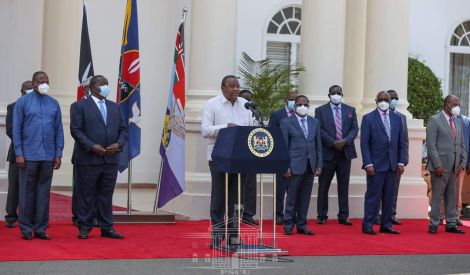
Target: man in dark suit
[
  {"x": 383, "y": 155},
  {"x": 100, "y": 132},
  {"x": 282, "y": 182},
  {"x": 302, "y": 135},
  {"x": 13, "y": 172},
  {"x": 249, "y": 200},
  {"x": 338, "y": 126}
]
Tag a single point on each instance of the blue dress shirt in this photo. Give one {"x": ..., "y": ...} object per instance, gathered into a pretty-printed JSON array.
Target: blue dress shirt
[{"x": 37, "y": 128}]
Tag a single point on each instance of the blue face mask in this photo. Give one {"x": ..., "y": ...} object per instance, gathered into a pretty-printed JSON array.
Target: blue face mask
[
  {"x": 291, "y": 105},
  {"x": 104, "y": 91},
  {"x": 394, "y": 103}
]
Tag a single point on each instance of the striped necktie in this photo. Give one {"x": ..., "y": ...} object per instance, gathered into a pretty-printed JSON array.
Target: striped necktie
[
  {"x": 387, "y": 124},
  {"x": 339, "y": 127}
]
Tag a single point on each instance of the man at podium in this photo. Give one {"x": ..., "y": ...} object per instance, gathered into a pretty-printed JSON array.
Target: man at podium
[{"x": 225, "y": 110}]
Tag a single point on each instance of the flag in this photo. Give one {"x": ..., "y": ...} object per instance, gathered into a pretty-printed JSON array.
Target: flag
[
  {"x": 173, "y": 145},
  {"x": 128, "y": 90},
  {"x": 85, "y": 67}
]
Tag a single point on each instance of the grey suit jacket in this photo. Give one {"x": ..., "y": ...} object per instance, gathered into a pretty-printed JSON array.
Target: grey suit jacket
[
  {"x": 302, "y": 150},
  {"x": 442, "y": 149}
]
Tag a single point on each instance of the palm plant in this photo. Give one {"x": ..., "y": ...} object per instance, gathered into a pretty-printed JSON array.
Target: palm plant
[{"x": 268, "y": 82}]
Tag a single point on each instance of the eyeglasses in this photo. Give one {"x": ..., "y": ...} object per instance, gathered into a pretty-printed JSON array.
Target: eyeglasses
[{"x": 300, "y": 104}]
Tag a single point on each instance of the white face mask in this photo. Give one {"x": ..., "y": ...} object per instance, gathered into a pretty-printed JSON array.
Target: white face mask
[
  {"x": 383, "y": 105},
  {"x": 301, "y": 110},
  {"x": 43, "y": 88},
  {"x": 336, "y": 99},
  {"x": 456, "y": 110},
  {"x": 29, "y": 91}
]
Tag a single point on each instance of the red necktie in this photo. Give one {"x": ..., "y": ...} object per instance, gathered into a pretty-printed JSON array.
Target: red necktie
[{"x": 452, "y": 128}]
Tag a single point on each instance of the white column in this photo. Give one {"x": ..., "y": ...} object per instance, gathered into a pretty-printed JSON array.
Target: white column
[
  {"x": 386, "y": 62},
  {"x": 211, "y": 53},
  {"x": 61, "y": 48},
  {"x": 322, "y": 47},
  {"x": 354, "y": 52}
]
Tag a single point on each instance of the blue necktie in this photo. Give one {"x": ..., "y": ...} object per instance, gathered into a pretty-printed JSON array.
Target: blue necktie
[
  {"x": 304, "y": 127},
  {"x": 387, "y": 125},
  {"x": 102, "y": 110}
]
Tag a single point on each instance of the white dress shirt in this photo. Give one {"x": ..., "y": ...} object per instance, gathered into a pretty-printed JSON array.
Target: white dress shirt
[
  {"x": 97, "y": 102},
  {"x": 333, "y": 110},
  {"x": 218, "y": 113}
]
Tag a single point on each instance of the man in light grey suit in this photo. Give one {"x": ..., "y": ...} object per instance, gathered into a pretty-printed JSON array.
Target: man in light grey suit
[
  {"x": 302, "y": 134},
  {"x": 447, "y": 158}
]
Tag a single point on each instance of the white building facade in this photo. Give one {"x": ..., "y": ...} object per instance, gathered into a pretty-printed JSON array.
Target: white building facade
[{"x": 361, "y": 45}]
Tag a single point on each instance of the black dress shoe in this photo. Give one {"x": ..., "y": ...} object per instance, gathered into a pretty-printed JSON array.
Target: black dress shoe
[
  {"x": 83, "y": 235},
  {"x": 389, "y": 230},
  {"x": 27, "y": 237},
  {"x": 368, "y": 231},
  {"x": 454, "y": 229},
  {"x": 321, "y": 220},
  {"x": 287, "y": 231},
  {"x": 111, "y": 234},
  {"x": 305, "y": 232},
  {"x": 42, "y": 236},
  {"x": 345, "y": 222},
  {"x": 279, "y": 221},
  {"x": 459, "y": 223},
  {"x": 432, "y": 230},
  {"x": 10, "y": 224},
  {"x": 396, "y": 222},
  {"x": 249, "y": 220}
]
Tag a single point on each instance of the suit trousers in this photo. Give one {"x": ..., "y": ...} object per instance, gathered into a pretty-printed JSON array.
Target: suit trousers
[
  {"x": 95, "y": 188},
  {"x": 395, "y": 200},
  {"x": 34, "y": 192},
  {"x": 299, "y": 193},
  {"x": 342, "y": 167},
  {"x": 217, "y": 205},
  {"x": 75, "y": 200},
  {"x": 443, "y": 186},
  {"x": 380, "y": 186},
  {"x": 13, "y": 190},
  {"x": 281, "y": 190},
  {"x": 249, "y": 200},
  {"x": 458, "y": 194}
]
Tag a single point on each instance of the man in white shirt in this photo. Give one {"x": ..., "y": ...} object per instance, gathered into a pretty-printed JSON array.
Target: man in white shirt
[{"x": 225, "y": 110}]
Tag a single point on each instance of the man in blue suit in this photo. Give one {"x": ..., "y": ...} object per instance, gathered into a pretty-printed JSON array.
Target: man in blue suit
[
  {"x": 302, "y": 135},
  {"x": 282, "y": 182},
  {"x": 383, "y": 155},
  {"x": 338, "y": 126},
  {"x": 100, "y": 132}
]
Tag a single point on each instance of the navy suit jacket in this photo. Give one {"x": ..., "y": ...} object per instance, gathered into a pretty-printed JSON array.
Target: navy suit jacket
[
  {"x": 11, "y": 157},
  {"x": 302, "y": 150},
  {"x": 276, "y": 117},
  {"x": 88, "y": 128},
  {"x": 328, "y": 130},
  {"x": 376, "y": 149}
]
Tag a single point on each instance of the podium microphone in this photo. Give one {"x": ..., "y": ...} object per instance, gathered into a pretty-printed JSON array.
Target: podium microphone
[{"x": 257, "y": 114}]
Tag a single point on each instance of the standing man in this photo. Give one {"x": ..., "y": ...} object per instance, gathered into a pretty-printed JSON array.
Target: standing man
[
  {"x": 99, "y": 132},
  {"x": 447, "y": 159},
  {"x": 383, "y": 155},
  {"x": 302, "y": 135},
  {"x": 249, "y": 201},
  {"x": 338, "y": 126},
  {"x": 281, "y": 181},
  {"x": 38, "y": 139},
  {"x": 13, "y": 172},
  {"x": 222, "y": 111}
]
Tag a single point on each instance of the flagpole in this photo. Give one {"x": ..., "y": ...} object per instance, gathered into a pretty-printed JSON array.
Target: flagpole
[
  {"x": 155, "y": 206},
  {"x": 129, "y": 188}
]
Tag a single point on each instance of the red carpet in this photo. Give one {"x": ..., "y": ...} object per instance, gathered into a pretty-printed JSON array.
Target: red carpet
[{"x": 175, "y": 241}]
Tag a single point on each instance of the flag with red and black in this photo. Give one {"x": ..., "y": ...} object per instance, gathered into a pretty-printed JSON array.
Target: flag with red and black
[{"x": 85, "y": 67}]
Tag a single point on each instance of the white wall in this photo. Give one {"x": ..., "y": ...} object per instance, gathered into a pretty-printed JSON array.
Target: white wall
[{"x": 431, "y": 24}]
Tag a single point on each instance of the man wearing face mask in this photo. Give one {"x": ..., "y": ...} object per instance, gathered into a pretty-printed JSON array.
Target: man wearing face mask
[
  {"x": 13, "y": 172},
  {"x": 302, "y": 135},
  {"x": 447, "y": 159},
  {"x": 282, "y": 182},
  {"x": 383, "y": 155},
  {"x": 38, "y": 139},
  {"x": 99, "y": 132},
  {"x": 338, "y": 126}
]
